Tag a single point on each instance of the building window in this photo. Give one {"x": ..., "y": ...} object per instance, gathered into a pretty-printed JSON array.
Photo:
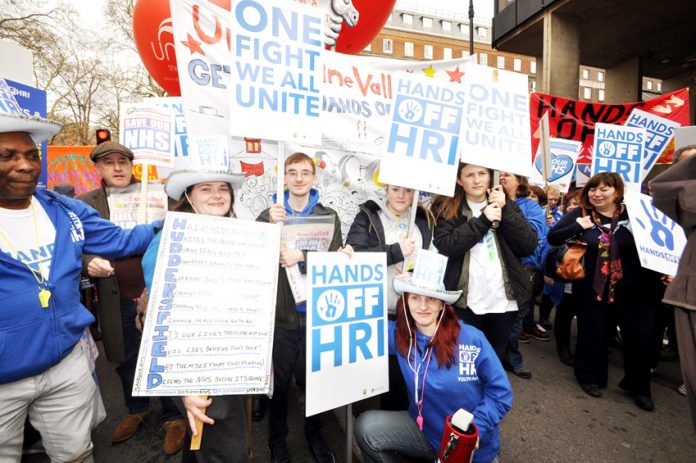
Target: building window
[
  {"x": 446, "y": 26},
  {"x": 648, "y": 84},
  {"x": 482, "y": 32},
  {"x": 428, "y": 51},
  {"x": 601, "y": 95},
  {"x": 587, "y": 93},
  {"x": 659, "y": 86},
  {"x": 408, "y": 49},
  {"x": 600, "y": 76},
  {"x": 501, "y": 62},
  {"x": 532, "y": 67},
  {"x": 586, "y": 74},
  {"x": 447, "y": 53},
  {"x": 407, "y": 18},
  {"x": 464, "y": 28},
  {"x": 387, "y": 46},
  {"x": 427, "y": 22},
  {"x": 517, "y": 64},
  {"x": 532, "y": 85},
  {"x": 483, "y": 59}
]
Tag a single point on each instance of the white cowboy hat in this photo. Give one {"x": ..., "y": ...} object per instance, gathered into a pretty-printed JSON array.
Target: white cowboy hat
[
  {"x": 405, "y": 283},
  {"x": 179, "y": 180},
  {"x": 38, "y": 128}
]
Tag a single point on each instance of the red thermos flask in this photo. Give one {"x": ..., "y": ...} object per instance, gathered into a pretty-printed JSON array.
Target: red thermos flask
[{"x": 457, "y": 445}]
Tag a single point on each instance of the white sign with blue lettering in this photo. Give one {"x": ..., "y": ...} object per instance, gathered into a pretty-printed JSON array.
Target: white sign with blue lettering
[
  {"x": 347, "y": 355},
  {"x": 176, "y": 103},
  {"x": 148, "y": 130},
  {"x": 659, "y": 131},
  {"x": 209, "y": 151},
  {"x": 496, "y": 120},
  {"x": 210, "y": 318},
  {"x": 619, "y": 149},
  {"x": 564, "y": 154},
  {"x": 275, "y": 71},
  {"x": 660, "y": 241},
  {"x": 423, "y": 136}
]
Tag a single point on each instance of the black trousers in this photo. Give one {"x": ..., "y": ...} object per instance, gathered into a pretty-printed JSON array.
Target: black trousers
[
  {"x": 222, "y": 442},
  {"x": 496, "y": 327},
  {"x": 633, "y": 312},
  {"x": 289, "y": 360},
  {"x": 563, "y": 321}
]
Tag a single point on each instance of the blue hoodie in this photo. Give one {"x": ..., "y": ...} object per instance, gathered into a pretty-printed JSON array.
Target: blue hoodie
[
  {"x": 536, "y": 216},
  {"x": 476, "y": 382},
  {"x": 306, "y": 212},
  {"x": 33, "y": 339}
]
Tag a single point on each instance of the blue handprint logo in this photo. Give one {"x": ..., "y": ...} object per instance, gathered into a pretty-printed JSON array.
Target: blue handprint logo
[
  {"x": 330, "y": 305},
  {"x": 662, "y": 227},
  {"x": 410, "y": 110}
]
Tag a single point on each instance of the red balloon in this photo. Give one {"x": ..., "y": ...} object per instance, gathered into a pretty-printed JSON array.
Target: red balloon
[
  {"x": 373, "y": 14},
  {"x": 154, "y": 39}
]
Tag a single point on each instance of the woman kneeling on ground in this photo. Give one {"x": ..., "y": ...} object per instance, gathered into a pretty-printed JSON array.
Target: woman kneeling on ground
[{"x": 446, "y": 365}]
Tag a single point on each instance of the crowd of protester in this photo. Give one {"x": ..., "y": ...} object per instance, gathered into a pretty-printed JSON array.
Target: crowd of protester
[{"x": 495, "y": 236}]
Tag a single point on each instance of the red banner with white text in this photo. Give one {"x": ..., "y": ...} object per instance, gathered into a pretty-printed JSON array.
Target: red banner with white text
[{"x": 575, "y": 120}]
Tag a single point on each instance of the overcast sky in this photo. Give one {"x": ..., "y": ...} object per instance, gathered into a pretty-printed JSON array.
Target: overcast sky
[{"x": 92, "y": 10}]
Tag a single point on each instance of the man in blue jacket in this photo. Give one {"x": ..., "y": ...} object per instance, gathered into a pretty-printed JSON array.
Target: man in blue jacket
[{"x": 44, "y": 371}]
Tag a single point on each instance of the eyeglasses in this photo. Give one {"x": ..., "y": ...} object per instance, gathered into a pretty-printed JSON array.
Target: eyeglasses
[{"x": 301, "y": 174}]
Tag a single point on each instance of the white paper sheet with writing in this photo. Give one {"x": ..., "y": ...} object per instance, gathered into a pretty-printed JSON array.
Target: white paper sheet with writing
[
  {"x": 209, "y": 328},
  {"x": 124, "y": 204},
  {"x": 312, "y": 233}
]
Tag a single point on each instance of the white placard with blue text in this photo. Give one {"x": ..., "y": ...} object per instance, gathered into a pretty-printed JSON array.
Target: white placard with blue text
[
  {"x": 347, "y": 353},
  {"x": 659, "y": 240},
  {"x": 275, "y": 71},
  {"x": 619, "y": 149},
  {"x": 209, "y": 152},
  {"x": 423, "y": 136},
  {"x": 209, "y": 324},
  {"x": 564, "y": 154},
  {"x": 496, "y": 120},
  {"x": 658, "y": 130},
  {"x": 148, "y": 130}
]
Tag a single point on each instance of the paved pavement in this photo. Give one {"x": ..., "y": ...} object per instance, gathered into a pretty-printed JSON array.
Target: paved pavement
[{"x": 552, "y": 420}]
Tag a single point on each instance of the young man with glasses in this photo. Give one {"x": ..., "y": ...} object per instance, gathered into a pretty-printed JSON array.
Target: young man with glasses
[{"x": 301, "y": 199}]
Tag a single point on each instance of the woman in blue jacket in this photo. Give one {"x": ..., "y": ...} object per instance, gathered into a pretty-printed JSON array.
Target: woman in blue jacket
[
  {"x": 208, "y": 193},
  {"x": 446, "y": 365}
]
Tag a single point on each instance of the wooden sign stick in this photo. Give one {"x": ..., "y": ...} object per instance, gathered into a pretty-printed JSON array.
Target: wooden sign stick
[{"x": 196, "y": 440}]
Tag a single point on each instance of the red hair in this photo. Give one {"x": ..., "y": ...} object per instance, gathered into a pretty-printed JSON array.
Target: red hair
[{"x": 444, "y": 341}]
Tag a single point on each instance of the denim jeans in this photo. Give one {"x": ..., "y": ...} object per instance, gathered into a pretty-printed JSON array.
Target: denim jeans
[
  {"x": 126, "y": 370},
  {"x": 513, "y": 356},
  {"x": 385, "y": 436}
]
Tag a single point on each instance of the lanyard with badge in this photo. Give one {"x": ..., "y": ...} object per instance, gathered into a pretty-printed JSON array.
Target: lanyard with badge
[{"x": 44, "y": 293}]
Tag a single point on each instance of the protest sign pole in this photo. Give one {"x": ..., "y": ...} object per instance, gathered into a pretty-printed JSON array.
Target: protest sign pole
[
  {"x": 544, "y": 143},
  {"x": 196, "y": 440},
  {"x": 412, "y": 226},
  {"x": 349, "y": 433},
  {"x": 142, "y": 205},
  {"x": 280, "y": 185}
]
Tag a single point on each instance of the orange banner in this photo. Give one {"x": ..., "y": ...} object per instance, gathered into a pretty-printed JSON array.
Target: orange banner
[{"x": 71, "y": 164}]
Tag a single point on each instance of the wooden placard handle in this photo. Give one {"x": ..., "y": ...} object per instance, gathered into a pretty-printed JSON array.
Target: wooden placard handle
[{"x": 196, "y": 440}]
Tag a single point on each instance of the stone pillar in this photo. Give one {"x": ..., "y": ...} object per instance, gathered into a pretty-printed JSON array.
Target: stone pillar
[
  {"x": 623, "y": 82},
  {"x": 559, "y": 67}
]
